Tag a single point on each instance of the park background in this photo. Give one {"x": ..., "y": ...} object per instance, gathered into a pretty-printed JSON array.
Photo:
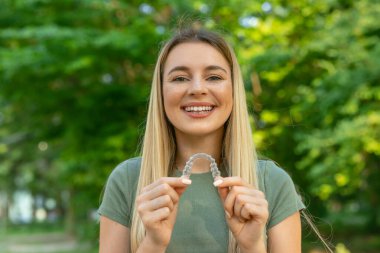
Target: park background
[{"x": 74, "y": 84}]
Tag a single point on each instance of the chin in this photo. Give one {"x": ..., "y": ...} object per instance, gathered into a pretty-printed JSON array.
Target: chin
[{"x": 202, "y": 132}]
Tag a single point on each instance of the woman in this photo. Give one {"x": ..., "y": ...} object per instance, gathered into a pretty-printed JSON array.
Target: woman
[{"x": 197, "y": 104}]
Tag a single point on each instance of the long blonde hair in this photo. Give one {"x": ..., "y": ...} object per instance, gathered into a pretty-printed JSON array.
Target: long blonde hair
[{"x": 159, "y": 145}]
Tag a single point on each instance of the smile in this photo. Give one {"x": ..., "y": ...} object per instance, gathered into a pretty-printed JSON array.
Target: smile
[{"x": 198, "y": 108}]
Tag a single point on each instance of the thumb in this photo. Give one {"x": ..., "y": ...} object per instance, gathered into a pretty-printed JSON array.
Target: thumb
[
  {"x": 186, "y": 182},
  {"x": 223, "y": 191}
]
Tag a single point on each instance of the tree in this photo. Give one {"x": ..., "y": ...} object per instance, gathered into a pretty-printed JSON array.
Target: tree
[{"x": 75, "y": 77}]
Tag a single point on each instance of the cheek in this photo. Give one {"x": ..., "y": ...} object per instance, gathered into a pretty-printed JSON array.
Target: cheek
[
  {"x": 166, "y": 101},
  {"x": 228, "y": 97},
  {"x": 229, "y": 102},
  {"x": 170, "y": 100},
  {"x": 164, "y": 96},
  {"x": 167, "y": 95}
]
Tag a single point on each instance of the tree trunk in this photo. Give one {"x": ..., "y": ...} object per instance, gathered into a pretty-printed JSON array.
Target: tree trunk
[{"x": 69, "y": 213}]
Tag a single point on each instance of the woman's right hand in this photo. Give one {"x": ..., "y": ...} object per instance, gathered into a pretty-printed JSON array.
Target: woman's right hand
[{"x": 157, "y": 206}]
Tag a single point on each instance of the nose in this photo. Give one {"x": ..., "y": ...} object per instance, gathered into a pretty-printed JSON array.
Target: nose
[{"x": 197, "y": 87}]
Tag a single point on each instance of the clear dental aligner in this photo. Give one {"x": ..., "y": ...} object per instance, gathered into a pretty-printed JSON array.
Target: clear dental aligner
[{"x": 189, "y": 164}]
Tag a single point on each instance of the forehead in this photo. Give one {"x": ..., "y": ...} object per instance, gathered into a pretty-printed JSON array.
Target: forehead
[{"x": 194, "y": 55}]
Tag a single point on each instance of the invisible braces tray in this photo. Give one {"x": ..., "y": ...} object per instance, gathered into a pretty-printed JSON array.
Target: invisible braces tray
[{"x": 189, "y": 164}]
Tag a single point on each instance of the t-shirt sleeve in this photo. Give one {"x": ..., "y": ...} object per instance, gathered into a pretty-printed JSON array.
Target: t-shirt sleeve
[
  {"x": 119, "y": 193},
  {"x": 281, "y": 194}
]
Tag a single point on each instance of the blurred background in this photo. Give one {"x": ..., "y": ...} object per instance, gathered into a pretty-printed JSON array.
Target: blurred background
[{"x": 74, "y": 84}]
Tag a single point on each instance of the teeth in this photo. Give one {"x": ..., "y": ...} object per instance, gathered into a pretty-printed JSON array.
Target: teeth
[{"x": 198, "y": 108}]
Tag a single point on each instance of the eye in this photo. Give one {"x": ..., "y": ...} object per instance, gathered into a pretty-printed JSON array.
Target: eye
[
  {"x": 179, "y": 79},
  {"x": 214, "y": 78}
]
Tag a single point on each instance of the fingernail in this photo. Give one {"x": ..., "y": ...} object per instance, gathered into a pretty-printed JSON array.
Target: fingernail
[
  {"x": 218, "y": 182},
  {"x": 228, "y": 214},
  {"x": 186, "y": 181}
]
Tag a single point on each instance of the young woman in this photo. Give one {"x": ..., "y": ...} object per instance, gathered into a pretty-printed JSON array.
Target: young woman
[{"x": 197, "y": 105}]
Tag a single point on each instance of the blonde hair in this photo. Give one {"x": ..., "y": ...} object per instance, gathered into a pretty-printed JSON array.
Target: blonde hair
[{"x": 159, "y": 145}]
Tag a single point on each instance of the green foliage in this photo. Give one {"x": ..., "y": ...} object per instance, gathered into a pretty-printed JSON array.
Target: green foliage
[
  {"x": 75, "y": 78},
  {"x": 321, "y": 97}
]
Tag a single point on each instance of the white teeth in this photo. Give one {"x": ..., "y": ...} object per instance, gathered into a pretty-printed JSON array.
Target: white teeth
[{"x": 198, "y": 108}]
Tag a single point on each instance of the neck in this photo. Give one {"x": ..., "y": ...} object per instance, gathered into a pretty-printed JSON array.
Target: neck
[{"x": 190, "y": 145}]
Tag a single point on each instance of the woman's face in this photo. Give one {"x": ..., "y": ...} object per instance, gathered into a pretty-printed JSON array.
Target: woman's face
[{"x": 197, "y": 89}]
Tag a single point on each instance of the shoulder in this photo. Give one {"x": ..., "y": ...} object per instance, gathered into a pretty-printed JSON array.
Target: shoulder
[
  {"x": 119, "y": 193},
  {"x": 279, "y": 191},
  {"x": 126, "y": 171},
  {"x": 130, "y": 166},
  {"x": 269, "y": 172}
]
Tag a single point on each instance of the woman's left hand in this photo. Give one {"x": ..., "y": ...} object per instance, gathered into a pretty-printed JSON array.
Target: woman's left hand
[{"x": 246, "y": 212}]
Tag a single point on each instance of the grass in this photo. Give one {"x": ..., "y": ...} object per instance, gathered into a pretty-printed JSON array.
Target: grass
[{"x": 40, "y": 237}]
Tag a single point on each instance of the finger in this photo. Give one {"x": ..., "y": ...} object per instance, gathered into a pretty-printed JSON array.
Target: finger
[
  {"x": 180, "y": 190},
  {"x": 240, "y": 201},
  {"x": 241, "y": 190},
  {"x": 155, "y": 204},
  {"x": 150, "y": 218},
  {"x": 233, "y": 181},
  {"x": 245, "y": 212},
  {"x": 229, "y": 200},
  {"x": 185, "y": 180},
  {"x": 217, "y": 181},
  {"x": 225, "y": 184},
  {"x": 175, "y": 182},
  {"x": 257, "y": 211},
  {"x": 255, "y": 207},
  {"x": 223, "y": 192},
  {"x": 162, "y": 189}
]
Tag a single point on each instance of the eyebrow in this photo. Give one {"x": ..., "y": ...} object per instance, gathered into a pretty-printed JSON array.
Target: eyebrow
[{"x": 208, "y": 68}]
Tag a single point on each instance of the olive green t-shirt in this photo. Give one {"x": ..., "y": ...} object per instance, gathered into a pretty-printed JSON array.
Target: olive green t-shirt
[{"x": 200, "y": 224}]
